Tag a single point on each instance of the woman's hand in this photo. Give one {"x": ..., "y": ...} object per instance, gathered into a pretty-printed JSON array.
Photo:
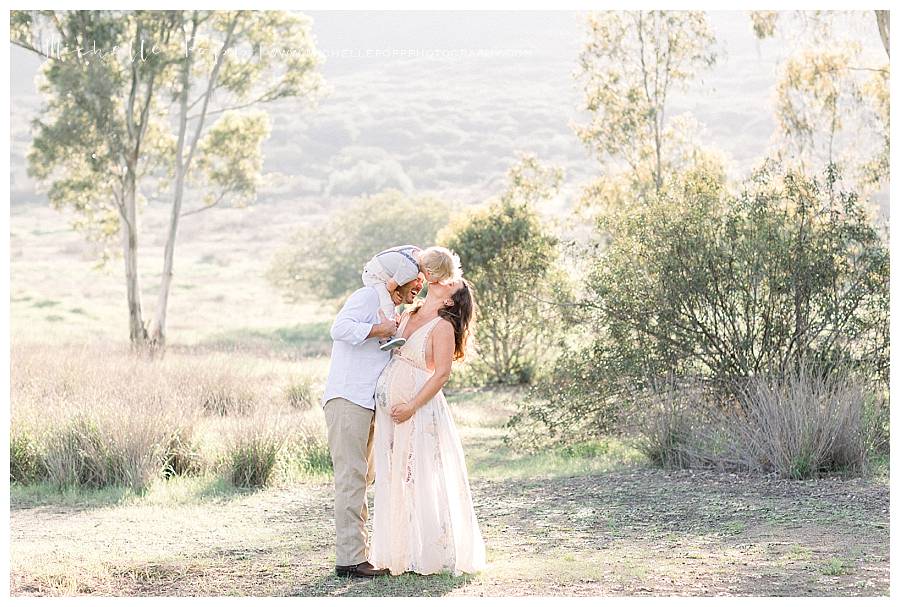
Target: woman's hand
[
  {"x": 401, "y": 412},
  {"x": 442, "y": 350}
]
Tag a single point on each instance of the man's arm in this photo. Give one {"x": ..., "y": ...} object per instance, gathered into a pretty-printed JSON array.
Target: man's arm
[{"x": 350, "y": 324}]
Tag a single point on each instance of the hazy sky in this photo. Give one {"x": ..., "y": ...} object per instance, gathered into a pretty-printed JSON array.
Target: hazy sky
[{"x": 450, "y": 122}]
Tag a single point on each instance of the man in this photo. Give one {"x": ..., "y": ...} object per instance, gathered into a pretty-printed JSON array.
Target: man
[{"x": 349, "y": 401}]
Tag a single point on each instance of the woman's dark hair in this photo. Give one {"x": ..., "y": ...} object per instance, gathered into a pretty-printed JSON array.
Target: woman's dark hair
[{"x": 462, "y": 316}]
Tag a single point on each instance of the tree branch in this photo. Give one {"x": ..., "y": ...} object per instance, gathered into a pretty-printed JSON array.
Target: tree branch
[
  {"x": 205, "y": 207},
  {"x": 211, "y": 83}
]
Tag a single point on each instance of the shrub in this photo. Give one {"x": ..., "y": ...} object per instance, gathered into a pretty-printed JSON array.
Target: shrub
[
  {"x": 301, "y": 393},
  {"x": 26, "y": 460},
  {"x": 78, "y": 456},
  {"x": 802, "y": 424},
  {"x": 327, "y": 262},
  {"x": 511, "y": 259},
  {"x": 586, "y": 393},
  {"x": 698, "y": 283},
  {"x": 181, "y": 457},
  {"x": 666, "y": 427},
  {"x": 253, "y": 460},
  {"x": 253, "y": 448},
  {"x": 731, "y": 287}
]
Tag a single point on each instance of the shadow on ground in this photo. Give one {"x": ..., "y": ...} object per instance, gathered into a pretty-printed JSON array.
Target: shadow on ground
[
  {"x": 649, "y": 531},
  {"x": 401, "y": 585}
]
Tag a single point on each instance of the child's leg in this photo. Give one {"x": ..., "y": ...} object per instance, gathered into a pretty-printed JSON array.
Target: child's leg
[
  {"x": 372, "y": 274},
  {"x": 385, "y": 302}
]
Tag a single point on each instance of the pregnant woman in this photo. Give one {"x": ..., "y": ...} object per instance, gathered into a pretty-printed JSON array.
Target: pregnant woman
[{"x": 424, "y": 519}]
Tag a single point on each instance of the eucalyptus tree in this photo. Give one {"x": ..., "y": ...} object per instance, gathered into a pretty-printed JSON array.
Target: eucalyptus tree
[
  {"x": 766, "y": 22},
  {"x": 142, "y": 100},
  {"x": 101, "y": 130},
  {"x": 233, "y": 61},
  {"x": 832, "y": 99},
  {"x": 631, "y": 63}
]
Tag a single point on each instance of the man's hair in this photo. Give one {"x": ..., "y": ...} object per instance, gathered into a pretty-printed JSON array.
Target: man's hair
[{"x": 442, "y": 263}]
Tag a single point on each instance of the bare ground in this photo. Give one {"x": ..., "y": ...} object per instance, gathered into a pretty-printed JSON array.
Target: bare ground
[{"x": 633, "y": 531}]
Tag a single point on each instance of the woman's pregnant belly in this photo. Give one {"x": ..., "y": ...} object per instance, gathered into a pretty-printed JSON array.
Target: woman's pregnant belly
[{"x": 400, "y": 381}]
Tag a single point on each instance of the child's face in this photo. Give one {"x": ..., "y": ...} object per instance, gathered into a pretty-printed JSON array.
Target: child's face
[{"x": 429, "y": 277}]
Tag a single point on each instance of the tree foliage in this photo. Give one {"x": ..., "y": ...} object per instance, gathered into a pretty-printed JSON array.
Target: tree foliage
[
  {"x": 511, "y": 259},
  {"x": 157, "y": 103},
  {"x": 325, "y": 261},
  {"x": 832, "y": 97},
  {"x": 100, "y": 127},
  {"x": 717, "y": 288},
  {"x": 830, "y": 112},
  {"x": 631, "y": 63}
]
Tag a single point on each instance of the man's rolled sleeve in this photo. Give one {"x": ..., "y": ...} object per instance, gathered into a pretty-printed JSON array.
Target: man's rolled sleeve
[{"x": 351, "y": 325}]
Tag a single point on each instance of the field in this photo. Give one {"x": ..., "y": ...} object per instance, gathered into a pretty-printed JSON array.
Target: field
[
  {"x": 594, "y": 519},
  {"x": 597, "y": 522}
]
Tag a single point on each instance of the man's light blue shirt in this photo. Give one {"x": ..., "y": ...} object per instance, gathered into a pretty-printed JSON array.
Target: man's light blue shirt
[{"x": 356, "y": 362}]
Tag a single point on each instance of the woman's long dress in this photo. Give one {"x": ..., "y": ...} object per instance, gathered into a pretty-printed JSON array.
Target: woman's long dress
[{"x": 424, "y": 520}]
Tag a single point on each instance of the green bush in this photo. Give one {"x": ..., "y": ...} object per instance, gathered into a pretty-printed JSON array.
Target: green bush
[
  {"x": 253, "y": 447},
  {"x": 511, "y": 258},
  {"x": 700, "y": 284},
  {"x": 728, "y": 287},
  {"x": 79, "y": 455},
  {"x": 252, "y": 461},
  {"x": 26, "y": 461},
  {"x": 301, "y": 393},
  {"x": 326, "y": 262},
  {"x": 181, "y": 456}
]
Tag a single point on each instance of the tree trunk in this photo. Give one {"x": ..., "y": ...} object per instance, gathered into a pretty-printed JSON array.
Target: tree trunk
[
  {"x": 157, "y": 334},
  {"x": 136, "y": 330},
  {"x": 884, "y": 29},
  {"x": 158, "y": 326},
  {"x": 182, "y": 166}
]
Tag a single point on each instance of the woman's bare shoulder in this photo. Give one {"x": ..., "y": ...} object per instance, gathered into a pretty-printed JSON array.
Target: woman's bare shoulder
[{"x": 443, "y": 327}]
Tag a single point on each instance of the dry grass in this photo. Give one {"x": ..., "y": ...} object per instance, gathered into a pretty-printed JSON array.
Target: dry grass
[
  {"x": 800, "y": 425},
  {"x": 97, "y": 417},
  {"x": 807, "y": 424},
  {"x": 219, "y": 295},
  {"x": 624, "y": 531}
]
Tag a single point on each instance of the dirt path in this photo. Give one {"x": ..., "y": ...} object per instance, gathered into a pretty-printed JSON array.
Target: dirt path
[{"x": 635, "y": 531}]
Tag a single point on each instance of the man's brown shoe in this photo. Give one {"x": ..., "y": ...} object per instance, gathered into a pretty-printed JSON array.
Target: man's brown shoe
[{"x": 364, "y": 569}]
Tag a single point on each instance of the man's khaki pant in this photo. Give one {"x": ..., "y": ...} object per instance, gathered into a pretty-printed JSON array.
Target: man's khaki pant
[{"x": 351, "y": 431}]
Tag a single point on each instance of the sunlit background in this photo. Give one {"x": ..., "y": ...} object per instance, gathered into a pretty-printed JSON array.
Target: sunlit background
[{"x": 611, "y": 444}]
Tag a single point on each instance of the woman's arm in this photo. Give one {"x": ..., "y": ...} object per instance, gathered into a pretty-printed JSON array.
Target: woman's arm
[{"x": 443, "y": 345}]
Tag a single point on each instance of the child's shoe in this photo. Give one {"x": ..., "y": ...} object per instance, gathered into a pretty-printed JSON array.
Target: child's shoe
[{"x": 394, "y": 342}]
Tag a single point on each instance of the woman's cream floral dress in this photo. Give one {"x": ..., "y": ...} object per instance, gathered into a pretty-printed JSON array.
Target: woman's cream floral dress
[{"x": 424, "y": 520}]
